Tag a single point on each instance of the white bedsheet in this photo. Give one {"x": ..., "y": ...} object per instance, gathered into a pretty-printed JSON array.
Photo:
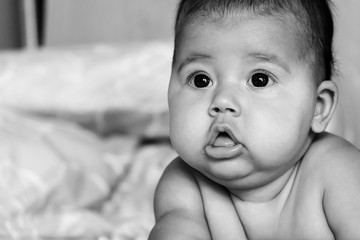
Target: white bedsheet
[{"x": 83, "y": 140}]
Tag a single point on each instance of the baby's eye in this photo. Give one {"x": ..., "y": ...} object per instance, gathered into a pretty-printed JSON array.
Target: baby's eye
[
  {"x": 261, "y": 80},
  {"x": 200, "y": 80}
]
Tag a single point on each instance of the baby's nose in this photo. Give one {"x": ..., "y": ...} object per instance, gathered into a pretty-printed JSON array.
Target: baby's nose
[{"x": 225, "y": 102}]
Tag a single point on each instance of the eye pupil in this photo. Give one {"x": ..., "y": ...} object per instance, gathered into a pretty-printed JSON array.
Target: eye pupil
[
  {"x": 260, "y": 80},
  {"x": 201, "y": 81}
]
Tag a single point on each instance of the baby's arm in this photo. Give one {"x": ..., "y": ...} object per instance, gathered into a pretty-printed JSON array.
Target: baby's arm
[
  {"x": 178, "y": 206},
  {"x": 342, "y": 191}
]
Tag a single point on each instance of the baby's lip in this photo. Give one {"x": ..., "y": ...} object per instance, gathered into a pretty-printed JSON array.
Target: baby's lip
[
  {"x": 223, "y": 153},
  {"x": 223, "y": 143},
  {"x": 224, "y": 140},
  {"x": 220, "y": 130}
]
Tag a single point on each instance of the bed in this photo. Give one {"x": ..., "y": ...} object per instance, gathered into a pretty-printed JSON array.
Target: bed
[{"x": 84, "y": 140}]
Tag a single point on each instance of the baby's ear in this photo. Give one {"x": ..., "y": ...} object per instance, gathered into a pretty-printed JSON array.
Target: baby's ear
[{"x": 325, "y": 105}]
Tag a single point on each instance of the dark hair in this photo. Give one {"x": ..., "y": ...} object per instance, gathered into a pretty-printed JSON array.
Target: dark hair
[{"x": 313, "y": 19}]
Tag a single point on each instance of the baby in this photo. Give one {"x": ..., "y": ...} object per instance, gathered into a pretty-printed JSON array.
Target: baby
[{"x": 250, "y": 97}]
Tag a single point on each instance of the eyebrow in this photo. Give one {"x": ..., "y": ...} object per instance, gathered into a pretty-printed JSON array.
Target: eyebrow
[
  {"x": 272, "y": 58},
  {"x": 193, "y": 58},
  {"x": 263, "y": 57}
]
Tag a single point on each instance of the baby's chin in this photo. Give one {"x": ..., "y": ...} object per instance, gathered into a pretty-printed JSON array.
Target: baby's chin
[{"x": 228, "y": 173}]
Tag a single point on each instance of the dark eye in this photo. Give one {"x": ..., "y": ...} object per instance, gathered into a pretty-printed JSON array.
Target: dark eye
[
  {"x": 200, "y": 81},
  {"x": 260, "y": 80}
]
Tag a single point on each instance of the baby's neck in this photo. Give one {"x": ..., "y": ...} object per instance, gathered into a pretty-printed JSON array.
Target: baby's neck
[
  {"x": 275, "y": 191},
  {"x": 260, "y": 214}
]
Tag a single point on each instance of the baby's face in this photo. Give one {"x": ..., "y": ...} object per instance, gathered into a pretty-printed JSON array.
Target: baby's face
[{"x": 241, "y": 100}]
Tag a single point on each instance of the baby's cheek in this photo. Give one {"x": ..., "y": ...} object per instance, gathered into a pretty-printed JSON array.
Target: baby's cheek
[
  {"x": 182, "y": 133},
  {"x": 279, "y": 139},
  {"x": 187, "y": 136}
]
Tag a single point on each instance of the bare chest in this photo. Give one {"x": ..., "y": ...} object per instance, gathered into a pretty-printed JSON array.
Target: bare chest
[
  {"x": 296, "y": 213},
  {"x": 299, "y": 218}
]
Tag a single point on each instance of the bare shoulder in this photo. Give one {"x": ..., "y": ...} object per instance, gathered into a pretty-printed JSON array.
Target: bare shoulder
[
  {"x": 331, "y": 153},
  {"x": 332, "y": 159},
  {"x": 177, "y": 188},
  {"x": 336, "y": 163},
  {"x": 178, "y": 205}
]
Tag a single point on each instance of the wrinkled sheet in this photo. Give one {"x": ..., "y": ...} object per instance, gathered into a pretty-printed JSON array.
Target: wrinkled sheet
[{"x": 83, "y": 140}]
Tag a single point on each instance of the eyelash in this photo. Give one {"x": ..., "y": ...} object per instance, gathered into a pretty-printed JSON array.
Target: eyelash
[
  {"x": 194, "y": 74},
  {"x": 270, "y": 76}
]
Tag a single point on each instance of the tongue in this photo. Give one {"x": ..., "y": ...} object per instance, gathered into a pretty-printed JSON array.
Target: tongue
[{"x": 223, "y": 140}]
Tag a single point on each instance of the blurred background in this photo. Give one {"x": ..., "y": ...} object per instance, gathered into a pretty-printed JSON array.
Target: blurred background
[
  {"x": 83, "y": 112},
  {"x": 68, "y": 22}
]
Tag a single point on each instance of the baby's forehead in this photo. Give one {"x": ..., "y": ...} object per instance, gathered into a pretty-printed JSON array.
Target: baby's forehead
[
  {"x": 228, "y": 20},
  {"x": 289, "y": 37},
  {"x": 232, "y": 18}
]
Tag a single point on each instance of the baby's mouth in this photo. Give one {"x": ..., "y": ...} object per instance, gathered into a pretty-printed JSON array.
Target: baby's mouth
[
  {"x": 223, "y": 140},
  {"x": 223, "y": 145}
]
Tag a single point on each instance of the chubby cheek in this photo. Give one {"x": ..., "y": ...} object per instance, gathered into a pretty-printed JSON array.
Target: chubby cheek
[
  {"x": 279, "y": 132},
  {"x": 189, "y": 124}
]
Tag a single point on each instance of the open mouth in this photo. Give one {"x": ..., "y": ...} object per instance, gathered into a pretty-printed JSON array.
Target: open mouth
[
  {"x": 223, "y": 139},
  {"x": 223, "y": 144}
]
